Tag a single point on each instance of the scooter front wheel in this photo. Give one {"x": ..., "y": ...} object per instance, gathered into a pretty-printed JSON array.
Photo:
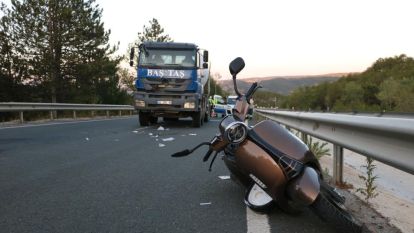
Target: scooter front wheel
[{"x": 257, "y": 199}]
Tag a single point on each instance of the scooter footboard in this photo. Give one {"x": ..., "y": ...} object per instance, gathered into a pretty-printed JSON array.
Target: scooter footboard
[{"x": 305, "y": 188}]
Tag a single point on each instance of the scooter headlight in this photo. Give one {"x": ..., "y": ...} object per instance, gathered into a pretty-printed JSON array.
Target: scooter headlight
[{"x": 236, "y": 132}]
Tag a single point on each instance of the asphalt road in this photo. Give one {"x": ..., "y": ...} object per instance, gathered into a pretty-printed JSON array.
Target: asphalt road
[{"x": 114, "y": 176}]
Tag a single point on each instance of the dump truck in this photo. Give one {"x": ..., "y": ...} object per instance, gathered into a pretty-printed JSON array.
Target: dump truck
[{"x": 172, "y": 82}]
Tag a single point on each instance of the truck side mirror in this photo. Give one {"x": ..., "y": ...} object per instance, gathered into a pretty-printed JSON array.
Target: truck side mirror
[
  {"x": 131, "y": 57},
  {"x": 205, "y": 56},
  {"x": 205, "y": 65}
]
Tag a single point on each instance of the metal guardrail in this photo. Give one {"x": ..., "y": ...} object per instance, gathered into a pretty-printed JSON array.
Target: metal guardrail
[
  {"x": 389, "y": 139},
  {"x": 52, "y": 107}
]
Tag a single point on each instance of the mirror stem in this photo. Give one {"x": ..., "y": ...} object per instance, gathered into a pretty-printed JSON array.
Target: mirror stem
[{"x": 235, "y": 86}]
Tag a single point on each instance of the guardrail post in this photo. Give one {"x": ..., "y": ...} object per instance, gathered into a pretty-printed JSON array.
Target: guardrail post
[
  {"x": 130, "y": 113},
  {"x": 338, "y": 160},
  {"x": 51, "y": 115},
  {"x": 74, "y": 114},
  {"x": 304, "y": 137},
  {"x": 93, "y": 114},
  {"x": 107, "y": 113},
  {"x": 21, "y": 117},
  {"x": 120, "y": 112}
]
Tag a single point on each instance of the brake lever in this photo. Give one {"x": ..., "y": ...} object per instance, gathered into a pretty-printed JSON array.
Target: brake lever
[
  {"x": 208, "y": 154},
  {"x": 212, "y": 161}
]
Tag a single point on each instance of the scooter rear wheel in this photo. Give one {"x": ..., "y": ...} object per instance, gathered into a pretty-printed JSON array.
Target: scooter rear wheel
[{"x": 334, "y": 212}]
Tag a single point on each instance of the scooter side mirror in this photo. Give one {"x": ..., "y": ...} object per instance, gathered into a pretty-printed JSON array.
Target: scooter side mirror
[{"x": 236, "y": 66}]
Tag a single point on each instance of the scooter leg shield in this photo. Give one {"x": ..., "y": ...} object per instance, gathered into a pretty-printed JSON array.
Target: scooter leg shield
[{"x": 305, "y": 188}]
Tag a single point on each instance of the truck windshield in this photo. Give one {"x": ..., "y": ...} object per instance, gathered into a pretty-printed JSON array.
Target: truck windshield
[{"x": 168, "y": 58}]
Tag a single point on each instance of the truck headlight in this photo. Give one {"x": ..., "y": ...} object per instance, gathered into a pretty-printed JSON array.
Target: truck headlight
[
  {"x": 139, "y": 103},
  {"x": 189, "y": 105}
]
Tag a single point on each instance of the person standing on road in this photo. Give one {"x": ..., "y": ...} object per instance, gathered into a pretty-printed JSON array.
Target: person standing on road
[{"x": 212, "y": 103}]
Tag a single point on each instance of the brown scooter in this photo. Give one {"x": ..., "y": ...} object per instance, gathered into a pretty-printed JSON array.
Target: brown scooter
[{"x": 274, "y": 165}]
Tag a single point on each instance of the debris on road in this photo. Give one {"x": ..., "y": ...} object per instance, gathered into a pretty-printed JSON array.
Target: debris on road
[
  {"x": 192, "y": 134},
  {"x": 161, "y": 145},
  {"x": 135, "y": 131},
  {"x": 224, "y": 177},
  {"x": 87, "y": 139},
  {"x": 161, "y": 128},
  {"x": 168, "y": 139}
]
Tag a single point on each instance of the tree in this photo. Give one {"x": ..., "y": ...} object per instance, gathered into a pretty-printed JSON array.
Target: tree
[
  {"x": 154, "y": 32},
  {"x": 215, "y": 88},
  {"x": 63, "y": 46},
  {"x": 267, "y": 99},
  {"x": 12, "y": 70},
  {"x": 397, "y": 95},
  {"x": 127, "y": 79}
]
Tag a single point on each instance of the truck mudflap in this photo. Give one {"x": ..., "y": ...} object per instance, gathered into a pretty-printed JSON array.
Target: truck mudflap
[{"x": 167, "y": 102}]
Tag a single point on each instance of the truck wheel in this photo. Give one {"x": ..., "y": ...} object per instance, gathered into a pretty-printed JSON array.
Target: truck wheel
[
  {"x": 144, "y": 118},
  {"x": 153, "y": 119},
  {"x": 197, "y": 119},
  {"x": 207, "y": 116}
]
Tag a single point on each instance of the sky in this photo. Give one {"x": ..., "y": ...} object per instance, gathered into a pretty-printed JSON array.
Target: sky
[{"x": 274, "y": 37}]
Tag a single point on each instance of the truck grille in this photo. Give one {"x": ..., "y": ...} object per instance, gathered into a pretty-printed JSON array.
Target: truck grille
[
  {"x": 165, "y": 84},
  {"x": 164, "y": 105}
]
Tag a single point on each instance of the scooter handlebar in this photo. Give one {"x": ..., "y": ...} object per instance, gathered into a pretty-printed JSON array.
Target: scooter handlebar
[
  {"x": 251, "y": 91},
  {"x": 181, "y": 153}
]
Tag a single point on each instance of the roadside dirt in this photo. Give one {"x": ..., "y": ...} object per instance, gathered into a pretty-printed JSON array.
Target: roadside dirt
[{"x": 388, "y": 212}]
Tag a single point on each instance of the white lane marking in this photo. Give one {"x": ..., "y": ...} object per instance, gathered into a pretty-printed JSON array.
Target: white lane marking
[
  {"x": 63, "y": 123},
  {"x": 257, "y": 223},
  {"x": 205, "y": 203}
]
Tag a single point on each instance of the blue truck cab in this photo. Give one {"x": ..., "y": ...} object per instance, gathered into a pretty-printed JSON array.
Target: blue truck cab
[{"x": 172, "y": 82}]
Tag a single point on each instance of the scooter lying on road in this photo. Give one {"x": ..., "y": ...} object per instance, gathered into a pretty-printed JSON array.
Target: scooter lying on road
[{"x": 273, "y": 164}]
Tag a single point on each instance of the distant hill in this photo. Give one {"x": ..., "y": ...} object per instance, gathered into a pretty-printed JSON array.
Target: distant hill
[{"x": 280, "y": 84}]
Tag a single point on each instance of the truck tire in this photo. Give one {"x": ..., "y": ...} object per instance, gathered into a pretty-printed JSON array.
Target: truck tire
[
  {"x": 144, "y": 118},
  {"x": 197, "y": 121},
  {"x": 207, "y": 116},
  {"x": 153, "y": 120}
]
